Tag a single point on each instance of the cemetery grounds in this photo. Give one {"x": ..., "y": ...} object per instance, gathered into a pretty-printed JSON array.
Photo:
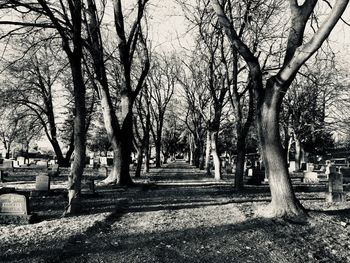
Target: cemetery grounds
[{"x": 174, "y": 214}]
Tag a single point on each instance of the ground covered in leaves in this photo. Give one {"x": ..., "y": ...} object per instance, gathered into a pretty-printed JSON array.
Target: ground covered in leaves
[{"x": 175, "y": 214}]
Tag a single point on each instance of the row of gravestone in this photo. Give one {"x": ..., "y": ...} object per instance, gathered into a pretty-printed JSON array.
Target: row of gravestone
[
  {"x": 14, "y": 207},
  {"x": 335, "y": 180}
]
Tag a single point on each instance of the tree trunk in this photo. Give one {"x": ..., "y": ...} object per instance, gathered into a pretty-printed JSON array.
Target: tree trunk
[
  {"x": 239, "y": 173},
  {"x": 158, "y": 144},
  {"x": 207, "y": 154},
  {"x": 120, "y": 173},
  {"x": 298, "y": 154},
  {"x": 77, "y": 168},
  {"x": 139, "y": 161},
  {"x": 283, "y": 200},
  {"x": 146, "y": 167},
  {"x": 215, "y": 154}
]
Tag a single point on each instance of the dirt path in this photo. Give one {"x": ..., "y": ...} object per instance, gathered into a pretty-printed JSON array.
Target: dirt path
[{"x": 183, "y": 216}]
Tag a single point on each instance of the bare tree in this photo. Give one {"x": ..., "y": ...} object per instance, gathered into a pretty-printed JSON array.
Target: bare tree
[
  {"x": 162, "y": 79},
  {"x": 119, "y": 126},
  {"x": 65, "y": 18},
  {"x": 269, "y": 95}
]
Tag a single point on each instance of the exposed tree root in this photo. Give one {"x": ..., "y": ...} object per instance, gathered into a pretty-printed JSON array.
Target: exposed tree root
[{"x": 294, "y": 214}]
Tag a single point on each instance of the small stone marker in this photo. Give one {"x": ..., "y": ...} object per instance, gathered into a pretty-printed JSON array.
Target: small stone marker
[
  {"x": 310, "y": 177},
  {"x": 14, "y": 208},
  {"x": 345, "y": 171},
  {"x": 88, "y": 186},
  {"x": 109, "y": 161},
  {"x": 309, "y": 167},
  {"x": 42, "y": 183},
  {"x": 103, "y": 161},
  {"x": 54, "y": 171},
  {"x": 21, "y": 160},
  {"x": 292, "y": 166},
  {"x": 228, "y": 168},
  {"x": 335, "y": 187},
  {"x": 250, "y": 172}
]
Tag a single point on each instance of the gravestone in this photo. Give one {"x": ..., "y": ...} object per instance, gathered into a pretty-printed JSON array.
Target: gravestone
[
  {"x": 335, "y": 187},
  {"x": 91, "y": 163},
  {"x": 345, "y": 171},
  {"x": 109, "y": 161},
  {"x": 42, "y": 183},
  {"x": 42, "y": 163},
  {"x": 250, "y": 172},
  {"x": 103, "y": 161},
  {"x": 228, "y": 168},
  {"x": 14, "y": 208},
  {"x": 88, "y": 186},
  {"x": 15, "y": 164},
  {"x": 54, "y": 170},
  {"x": 309, "y": 167},
  {"x": 7, "y": 165},
  {"x": 292, "y": 166},
  {"x": 21, "y": 160},
  {"x": 310, "y": 177}
]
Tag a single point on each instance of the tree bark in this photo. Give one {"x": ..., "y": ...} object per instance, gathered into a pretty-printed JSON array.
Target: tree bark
[
  {"x": 283, "y": 200},
  {"x": 298, "y": 154},
  {"x": 76, "y": 173},
  {"x": 215, "y": 154},
  {"x": 239, "y": 173},
  {"x": 207, "y": 154},
  {"x": 139, "y": 161}
]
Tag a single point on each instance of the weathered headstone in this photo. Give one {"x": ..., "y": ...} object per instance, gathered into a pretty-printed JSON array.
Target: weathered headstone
[
  {"x": 109, "y": 161},
  {"x": 345, "y": 171},
  {"x": 14, "y": 208},
  {"x": 309, "y": 167},
  {"x": 15, "y": 164},
  {"x": 7, "y": 165},
  {"x": 335, "y": 187},
  {"x": 292, "y": 166},
  {"x": 21, "y": 160},
  {"x": 310, "y": 177},
  {"x": 88, "y": 186},
  {"x": 42, "y": 183},
  {"x": 103, "y": 161},
  {"x": 250, "y": 172},
  {"x": 54, "y": 170},
  {"x": 228, "y": 168}
]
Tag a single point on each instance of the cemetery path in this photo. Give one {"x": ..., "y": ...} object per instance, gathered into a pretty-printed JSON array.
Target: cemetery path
[{"x": 177, "y": 214}]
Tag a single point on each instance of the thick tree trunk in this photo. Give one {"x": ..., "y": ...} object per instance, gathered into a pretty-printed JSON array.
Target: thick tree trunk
[
  {"x": 120, "y": 172},
  {"x": 215, "y": 154},
  {"x": 283, "y": 200},
  {"x": 239, "y": 173}
]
